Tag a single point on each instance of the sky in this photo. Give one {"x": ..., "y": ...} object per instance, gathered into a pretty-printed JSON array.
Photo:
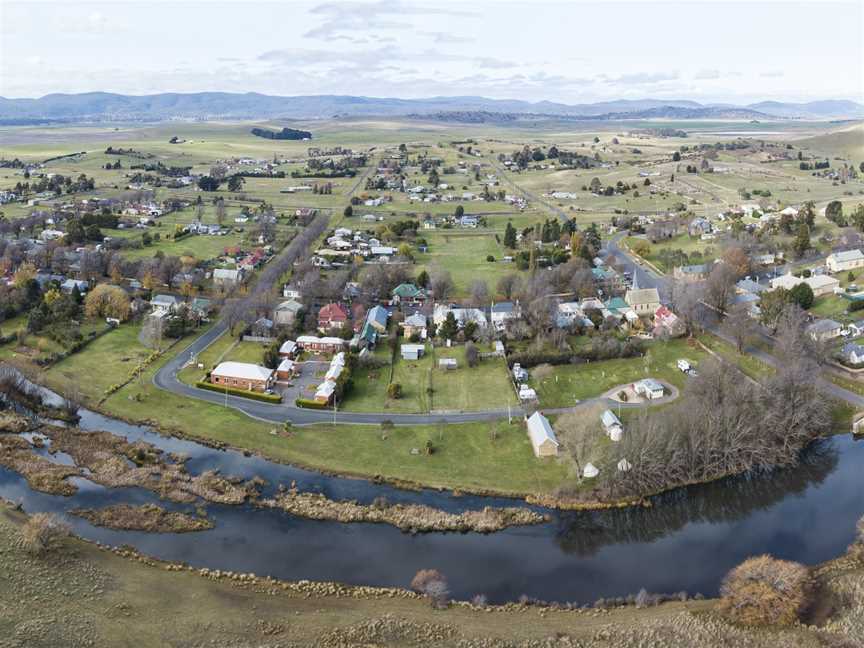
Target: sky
[{"x": 570, "y": 51}]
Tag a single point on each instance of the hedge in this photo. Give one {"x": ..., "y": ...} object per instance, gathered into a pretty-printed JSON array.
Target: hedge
[
  {"x": 259, "y": 396},
  {"x": 308, "y": 403}
]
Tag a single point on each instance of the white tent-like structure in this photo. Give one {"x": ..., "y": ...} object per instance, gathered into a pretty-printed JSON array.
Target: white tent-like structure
[
  {"x": 624, "y": 465},
  {"x": 590, "y": 471}
]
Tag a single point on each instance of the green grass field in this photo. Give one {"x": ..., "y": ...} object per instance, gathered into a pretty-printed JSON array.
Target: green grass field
[
  {"x": 565, "y": 385},
  {"x": 486, "y": 386}
]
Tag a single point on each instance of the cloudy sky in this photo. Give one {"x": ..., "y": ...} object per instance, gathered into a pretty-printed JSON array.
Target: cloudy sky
[{"x": 571, "y": 51}]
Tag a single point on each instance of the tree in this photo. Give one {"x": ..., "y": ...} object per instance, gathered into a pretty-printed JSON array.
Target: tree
[
  {"x": 676, "y": 156},
  {"x": 720, "y": 287},
  {"x": 42, "y": 533},
  {"x": 771, "y": 307},
  {"x": 394, "y": 391},
  {"x": 738, "y": 260},
  {"x": 460, "y": 211},
  {"x": 641, "y": 247},
  {"x": 106, "y": 300},
  {"x": 472, "y": 355},
  {"x": 766, "y": 591},
  {"x": 235, "y": 183},
  {"x": 802, "y": 240},
  {"x": 449, "y": 328},
  {"x": 807, "y": 214},
  {"x": 220, "y": 212},
  {"x": 208, "y": 183},
  {"x": 432, "y": 584},
  {"x": 740, "y": 327},
  {"x": 348, "y": 212},
  {"x": 509, "y": 285},
  {"x": 422, "y": 279},
  {"x": 441, "y": 285},
  {"x": 834, "y": 213},
  {"x": 579, "y": 433},
  {"x": 510, "y": 236},
  {"x": 802, "y": 294},
  {"x": 857, "y": 218},
  {"x": 479, "y": 292}
]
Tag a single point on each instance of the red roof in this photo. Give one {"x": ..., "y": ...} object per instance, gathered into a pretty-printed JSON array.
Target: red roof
[{"x": 332, "y": 313}]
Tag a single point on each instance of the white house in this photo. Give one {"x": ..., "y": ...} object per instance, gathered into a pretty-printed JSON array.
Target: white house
[
  {"x": 542, "y": 436},
  {"x": 227, "y": 276},
  {"x": 853, "y": 353},
  {"x": 845, "y": 261},
  {"x": 649, "y": 388},
  {"x": 526, "y": 394}
]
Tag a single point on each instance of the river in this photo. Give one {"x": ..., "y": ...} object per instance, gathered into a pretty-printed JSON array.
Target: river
[{"x": 687, "y": 541}]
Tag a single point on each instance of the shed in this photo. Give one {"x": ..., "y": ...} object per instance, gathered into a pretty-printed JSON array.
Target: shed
[
  {"x": 649, "y": 388},
  {"x": 612, "y": 425},
  {"x": 447, "y": 363},
  {"x": 412, "y": 351},
  {"x": 542, "y": 436}
]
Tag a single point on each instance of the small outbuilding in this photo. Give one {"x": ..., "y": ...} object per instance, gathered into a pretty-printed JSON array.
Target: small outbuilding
[
  {"x": 412, "y": 351},
  {"x": 542, "y": 436},
  {"x": 649, "y": 388},
  {"x": 611, "y": 425}
]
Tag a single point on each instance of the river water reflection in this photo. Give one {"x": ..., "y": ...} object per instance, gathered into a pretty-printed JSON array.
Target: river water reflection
[{"x": 686, "y": 541}]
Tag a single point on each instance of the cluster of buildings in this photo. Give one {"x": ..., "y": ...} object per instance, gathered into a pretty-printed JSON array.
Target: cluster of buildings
[{"x": 345, "y": 245}]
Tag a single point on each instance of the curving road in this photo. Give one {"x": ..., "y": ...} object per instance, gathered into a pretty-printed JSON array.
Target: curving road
[{"x": 166, "y": 378}]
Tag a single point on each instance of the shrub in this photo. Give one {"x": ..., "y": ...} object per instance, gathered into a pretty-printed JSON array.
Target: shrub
[
  {"x": 42, "y": 533},
  {"x": 856, "y": 549},
  {"x": 308, "y": 403},
  {"x": 394, "y": 391},
  {"x": 472, "y": 355},
  {"x": 431, "y": 583},
  {"x": 490, "y": 258},
  {"x": 267, "y": 398},
  {"x": 765, "y": 591}
]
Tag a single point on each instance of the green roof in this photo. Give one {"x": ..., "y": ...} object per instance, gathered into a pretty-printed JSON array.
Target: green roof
[{"x": 407, "y": 290}]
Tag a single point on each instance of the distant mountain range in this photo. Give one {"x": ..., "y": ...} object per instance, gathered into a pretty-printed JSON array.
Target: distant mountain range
[{"x": 103, "y": 106}]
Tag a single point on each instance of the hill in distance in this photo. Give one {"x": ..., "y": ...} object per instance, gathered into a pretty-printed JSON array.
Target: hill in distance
[{"x": 104, "y": 106}]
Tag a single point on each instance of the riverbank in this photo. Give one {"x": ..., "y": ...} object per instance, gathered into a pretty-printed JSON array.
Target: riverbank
[{"x": 114, "y": 597}]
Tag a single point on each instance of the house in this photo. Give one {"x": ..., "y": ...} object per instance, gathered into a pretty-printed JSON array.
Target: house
[
  {"x": 288, "y": 349},
  {"x": 746, "y": 286},
  {"x": 242, "y": 375},
  {"x": 286, "y": 369},
  {"x": 408, "y": 293},
  {"x": 611, "y": 425},
  {"x": 462, "y": 315},
  {"x": 845, "y": 261},
  {"x": 332, "y": 316},
  {"x": 645, "y": 301},
  {"x": 692, "y": 272},
  {"x": 649, "y": 388},
  {"x": 853, "y": 353},
  {"x": 290, "y": 292},
  {"x": 227, "y": 276},
  {"x": 412, "y": 351},
  {"x": 165, "y": 303},
  {"x": 325, "y": 391},
  {"x": 502, "y": 312},
  {"x": 377, "y": 318},
  {"x": 414, "y": 324},
  {"x": 285, "y": 314},
  {"x": 542, "y": 436},
  {"x": 856, "y": 328},
  {"x": 71, "y": 284},
  {"x": 698, "y": 227},
  {"x": 320, "y": 344},
  {"x": 262, "y": 327},
  {"x": 668, "y": 323},
  {"x": 201, "y": 307},
  {"x": 824, "y": 329},
  {"x": 822, "y": 285},
  {"x": 447, "y": 363},
  {"x": 469, "y": 221}
]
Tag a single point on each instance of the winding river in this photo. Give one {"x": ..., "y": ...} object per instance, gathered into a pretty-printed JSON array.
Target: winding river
[{"x": 686, "y": 541}]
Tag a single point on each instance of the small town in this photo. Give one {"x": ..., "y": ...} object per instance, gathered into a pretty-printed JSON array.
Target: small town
[{"x": 391, "y": 336}]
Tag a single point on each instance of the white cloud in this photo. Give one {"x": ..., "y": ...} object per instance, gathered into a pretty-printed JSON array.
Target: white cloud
[
  {"x": 707, "y": 74},
  {"x": 772, "y": 74}
]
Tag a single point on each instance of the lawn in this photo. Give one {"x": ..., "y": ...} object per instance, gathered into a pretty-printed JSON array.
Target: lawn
[
  {"x": 106, "y": 361},
  {"x": 747, "y": 363},
  {"x": 486, "y": 386},
  {"x": 463, "y": 254},
  {"x": 697, "y": 251},
  {"x": 832, "y": 307},
  {"x": 565, "y": 385}
]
